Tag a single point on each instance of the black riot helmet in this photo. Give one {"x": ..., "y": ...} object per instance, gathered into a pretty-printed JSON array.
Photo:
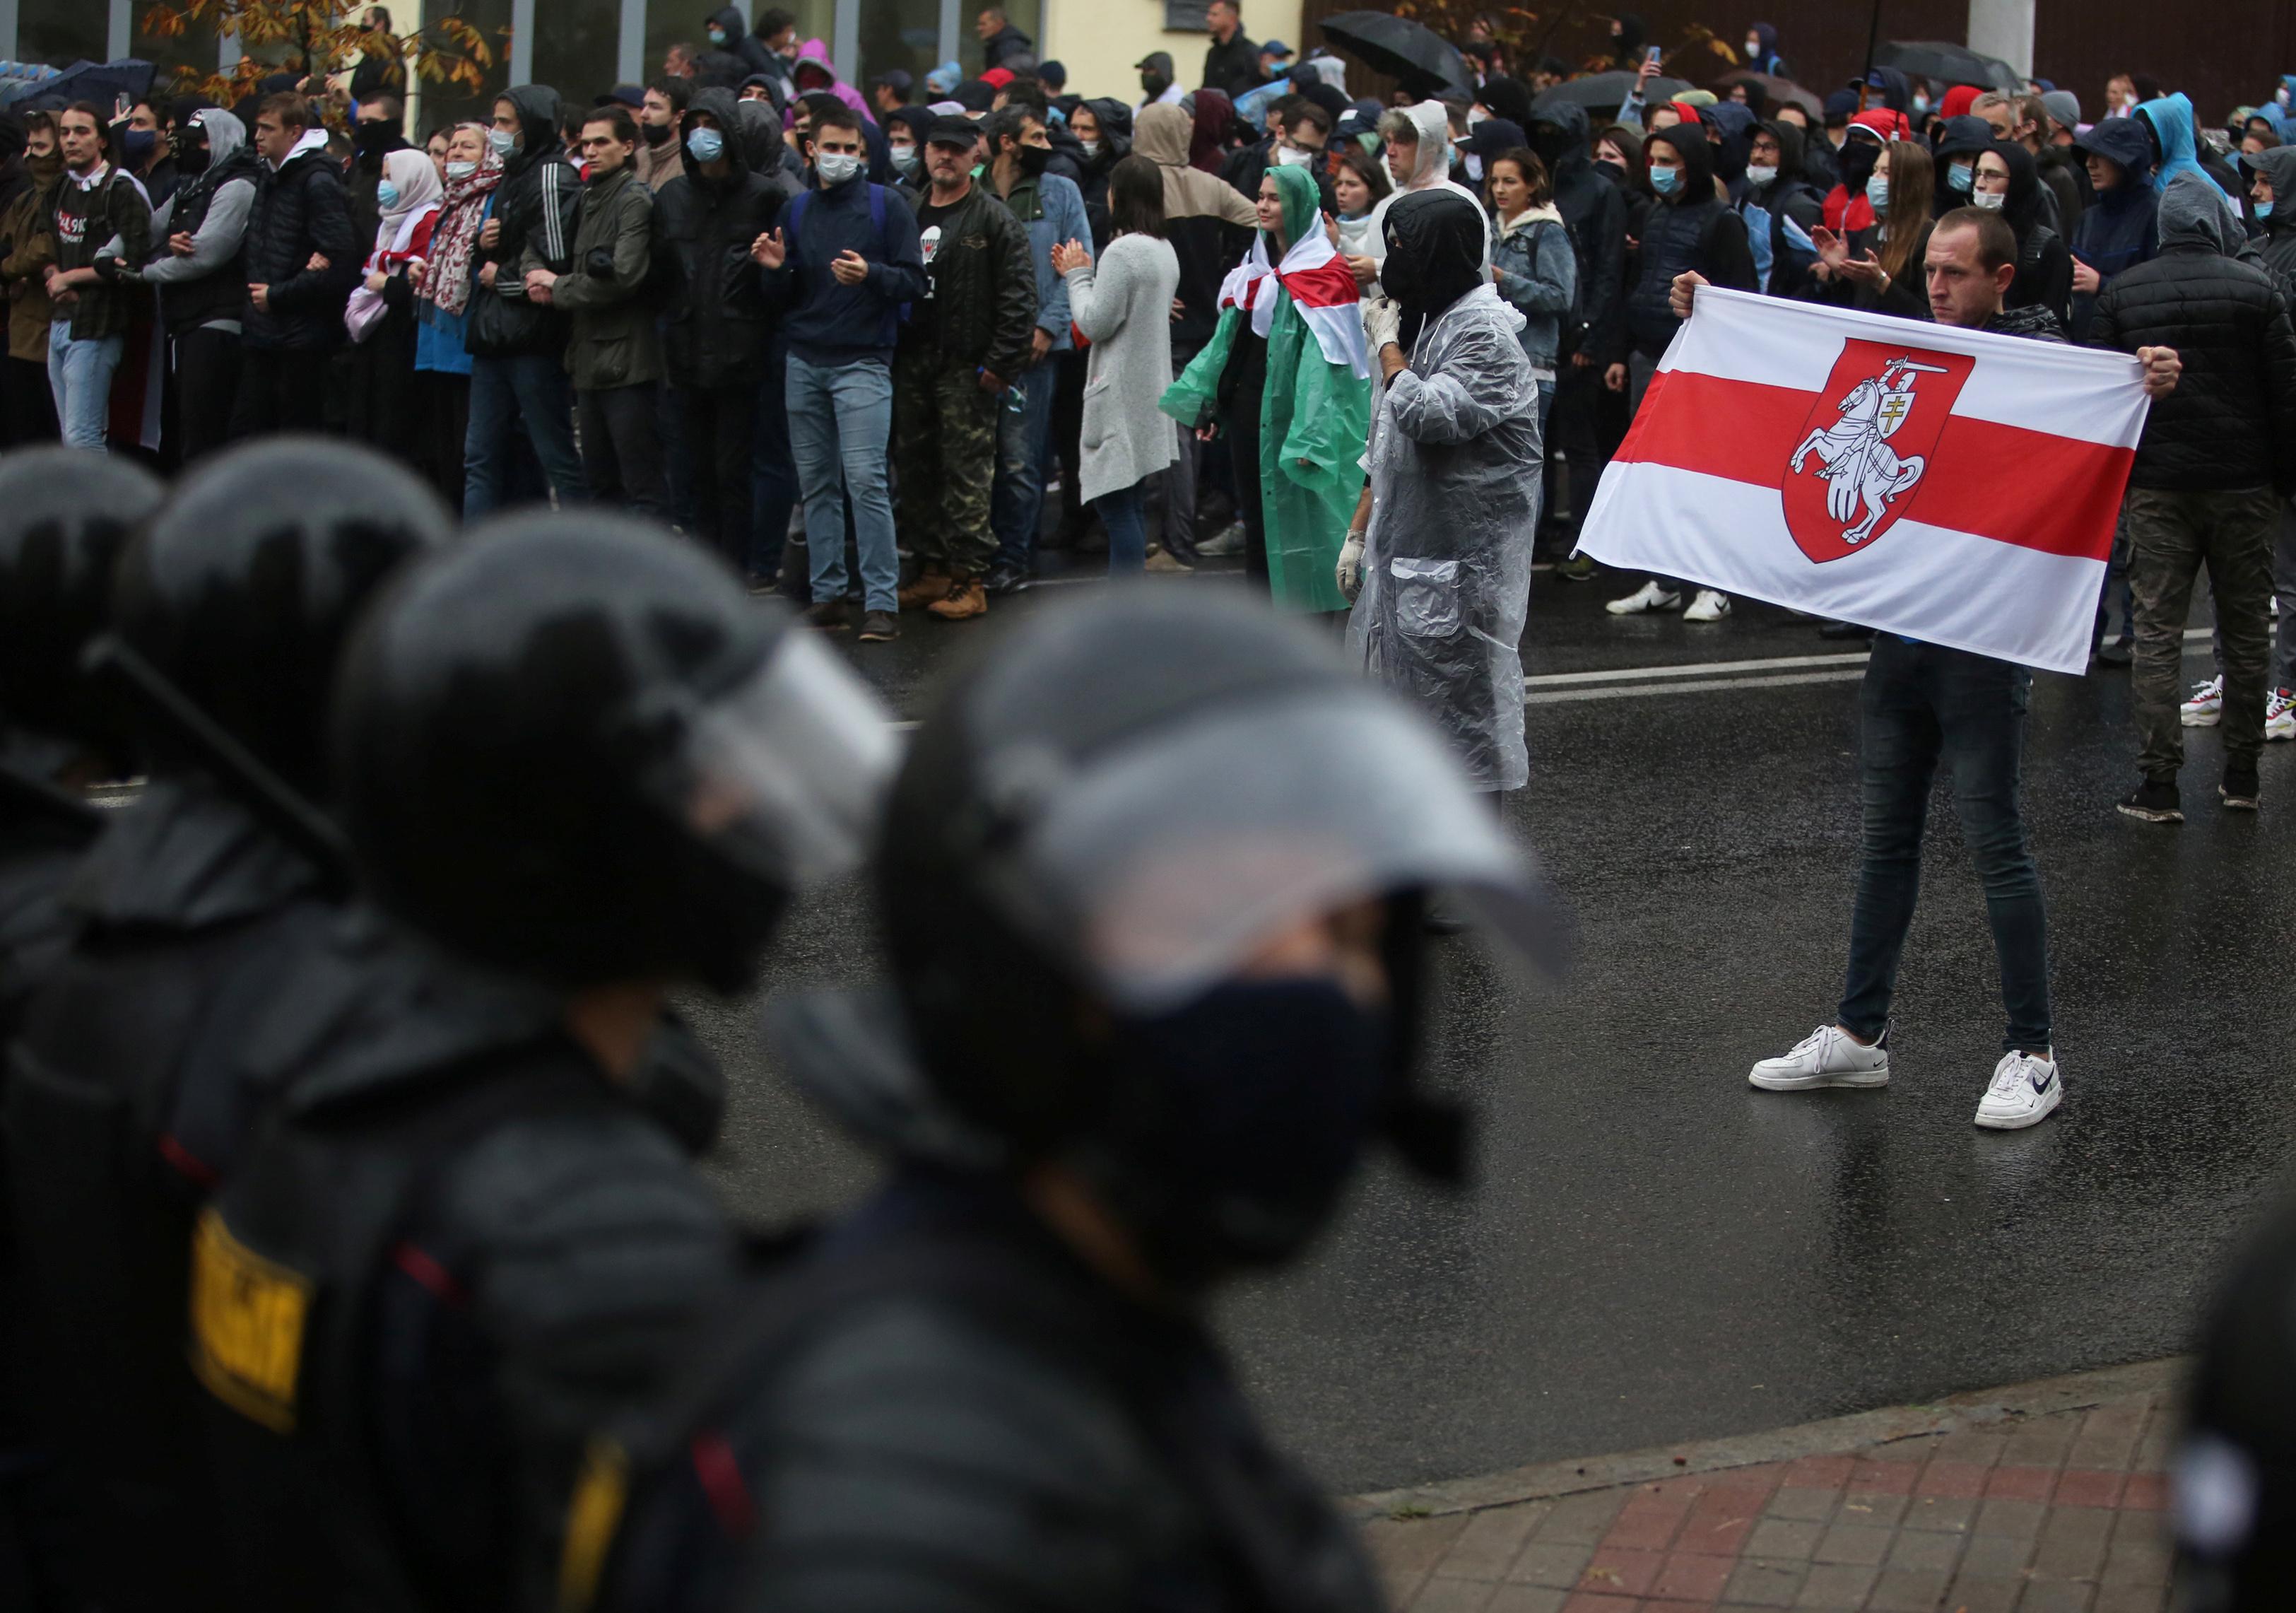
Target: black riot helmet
[
  {"x": 572, "y": 748},
  {"x": 2235, "y": 1473},
  {"x": 1094, "y": 831},
  {"x": 65, "y": 518},
  {"x": 242, "y": 590}
]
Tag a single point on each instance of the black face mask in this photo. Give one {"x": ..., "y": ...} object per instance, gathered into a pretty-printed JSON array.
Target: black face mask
[
  {"x": 373, "y": 139},
  {"x": 190, "y": 158},
  {"x": 1615, "y": 172},
  {"x": 655, "y": 133},
  {"x": 1033, "y": 159},
  {"x": 1236, "y": 1122},
  {"x": 1155, "y": 84}
]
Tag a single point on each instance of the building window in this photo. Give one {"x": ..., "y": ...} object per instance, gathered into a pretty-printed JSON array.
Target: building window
[{"x": 60, "y": 32}]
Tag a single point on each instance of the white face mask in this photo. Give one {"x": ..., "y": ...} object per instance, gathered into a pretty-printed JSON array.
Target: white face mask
[
  {"x": 835, "y": 168},
  {"x": 1762, "y": 173},
  {"x": 1475, "y": 166},
  {"x": 905, "y": 158},
  {"x": 1992, "y": 202},
  {"x": 1091, "y": 149},
  {"x": 1475, "y": 115},
  {"x": 1290, "y": 156},
  {"x": 461, "y": 170}
]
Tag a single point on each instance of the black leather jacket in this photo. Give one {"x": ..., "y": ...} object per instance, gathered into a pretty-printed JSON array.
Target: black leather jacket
[{"x": 984, "y": 290}]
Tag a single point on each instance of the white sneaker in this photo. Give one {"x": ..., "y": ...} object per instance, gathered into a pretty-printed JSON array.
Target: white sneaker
[
  {"x": 1709, "y": 606},
  {"x": 2023, "y": 1090},
  {"x": 2205, "y": 708},
  {"x": 1828, "y": 1056},
  {"x": 1650, "y": 597},
  {"x": 2280, "y": 715}
]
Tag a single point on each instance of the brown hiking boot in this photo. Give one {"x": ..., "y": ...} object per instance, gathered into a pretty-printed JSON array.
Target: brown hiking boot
[
  {"x": 964, "y": 600},
  {"x": 929, "y": 587}
]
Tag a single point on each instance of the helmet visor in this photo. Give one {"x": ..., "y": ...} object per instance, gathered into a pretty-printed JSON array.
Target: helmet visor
[
  {"x": 1165, "y": 863},
  {"x": 787, "y": 771}
]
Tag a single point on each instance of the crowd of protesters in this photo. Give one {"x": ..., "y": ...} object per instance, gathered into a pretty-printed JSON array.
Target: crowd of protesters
[{"x": 821, "y": 330}]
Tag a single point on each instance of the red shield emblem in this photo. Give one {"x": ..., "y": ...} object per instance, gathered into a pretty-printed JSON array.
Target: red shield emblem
[{"x": 1858, "y": 464}]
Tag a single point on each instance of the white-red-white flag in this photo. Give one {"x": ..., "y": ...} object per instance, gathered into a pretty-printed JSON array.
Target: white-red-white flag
[{"x": 1949, "y": 485}]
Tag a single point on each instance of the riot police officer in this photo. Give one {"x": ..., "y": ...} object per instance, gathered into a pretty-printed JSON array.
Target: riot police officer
[
  {"x": 577, "y": 765},
  {"x": 125, "y": 1100},
  {"x": 1151, "y": 881},
  {"x": 64, "y": 518}
]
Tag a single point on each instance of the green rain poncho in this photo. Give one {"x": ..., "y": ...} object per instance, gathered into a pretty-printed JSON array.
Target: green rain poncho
[{"x": 1317, "y": 410}]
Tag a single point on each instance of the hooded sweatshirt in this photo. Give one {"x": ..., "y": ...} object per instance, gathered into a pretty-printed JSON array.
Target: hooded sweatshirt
[
  {"x": 2171, "y": 118},
  {"x": 2118, "y": 229},
  {"x": 716, "y": 329},
  {"x": 741, "y": 44},
  {"x": 1207, "y": 221},
  {"x": 813, "y": 53},
  {"x": 1690, "y": 229},
  {"x": 2278, "y": 244},
  {"x": 2231, "y": 422},
  {"x": 1596, "y": 209},
  {"x": 1766, "y": 60},
  {"x": 1847, "y": 211},
  {"x": 535, "y": 205},
  {"x": 206, "y": 288},
  {"x": 1430, "y": 166}
]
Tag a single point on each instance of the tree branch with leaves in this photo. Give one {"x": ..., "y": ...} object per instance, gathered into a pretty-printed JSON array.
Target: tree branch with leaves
[{"x": 322, "y": 38}]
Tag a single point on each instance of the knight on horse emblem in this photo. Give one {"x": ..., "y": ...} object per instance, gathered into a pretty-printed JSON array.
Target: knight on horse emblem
[{"x": 1854, "y": 455}]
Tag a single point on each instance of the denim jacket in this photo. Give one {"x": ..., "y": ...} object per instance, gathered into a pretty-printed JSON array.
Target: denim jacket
[{"x": 1538, "y": 274}]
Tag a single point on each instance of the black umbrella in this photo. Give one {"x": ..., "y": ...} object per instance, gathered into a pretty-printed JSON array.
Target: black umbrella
[
  {"x": 100, "y": 82},
  {"x": 1412, "y": 53},
  {"x": 1948, "y": 63},
  {"x": 1607, "y": 91}
]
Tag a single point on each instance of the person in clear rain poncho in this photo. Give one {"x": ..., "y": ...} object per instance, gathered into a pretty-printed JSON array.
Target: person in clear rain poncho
[
  {"x": 1438, "y": 560},
  {"x": 1288, "y": 356}
]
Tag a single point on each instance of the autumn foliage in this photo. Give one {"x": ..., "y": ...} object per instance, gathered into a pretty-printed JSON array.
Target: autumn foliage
[{"x": 318, "y": 36}]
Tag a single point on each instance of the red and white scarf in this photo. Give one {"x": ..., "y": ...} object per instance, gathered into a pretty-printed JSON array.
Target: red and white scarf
[{"x": 1321, "y": 286}]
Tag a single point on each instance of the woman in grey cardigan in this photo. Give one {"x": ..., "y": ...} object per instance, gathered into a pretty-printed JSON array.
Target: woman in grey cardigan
[{"x": 1124, "y": 309}]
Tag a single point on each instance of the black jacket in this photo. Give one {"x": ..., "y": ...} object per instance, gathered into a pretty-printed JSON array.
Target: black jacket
[
  {"x": 1595, "y": 210},
  {"x": 1699, "y": 232},
  {"x": 536, "y": 205},
  {"x": 984, "y": 290},
  {"x": 2277, "y": 244},
  {"x": 300, "y": 209},
  {"x": 1232, "y": 66},
  {"x": 1002, "y": 45},
  {"x": 2231, "y": 422},
  {"x": 718, "y": 323}
]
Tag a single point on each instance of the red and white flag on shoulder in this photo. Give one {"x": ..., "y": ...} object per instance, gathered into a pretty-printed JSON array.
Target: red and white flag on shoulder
[{"x": 1949, "y": 485}]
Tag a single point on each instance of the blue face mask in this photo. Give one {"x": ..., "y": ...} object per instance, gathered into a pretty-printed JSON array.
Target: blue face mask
[
  {"x": 2263, "y": 209},
  {"x": 136, "y": 146},
  {"x": 1877, "y": 194},
  {"x": 1666, "y": 181},
  {"x": 707, "y": 145},
  {"x": 1921, "y": 106},
  {"x": 387, "y": 194},
  {"x": 1959, "y": 177}
]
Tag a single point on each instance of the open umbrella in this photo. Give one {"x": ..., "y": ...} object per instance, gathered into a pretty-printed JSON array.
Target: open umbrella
[
  {"x": 1948, "y": 63},
  {"x": 1412, "y": 53},
  {"x": 1606, "y": 92},
  {"x": 1779, "y": 90},
  {"x": 100, "y": 82}
]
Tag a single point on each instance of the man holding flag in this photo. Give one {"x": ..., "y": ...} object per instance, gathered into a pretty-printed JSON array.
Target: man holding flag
[{"x": 1925, "y": 703}]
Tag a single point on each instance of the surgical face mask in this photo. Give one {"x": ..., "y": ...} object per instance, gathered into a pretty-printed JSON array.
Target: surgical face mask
[
  {"x": 1291, "y": 156},
  {"x": 461, "y": 170},
  {"x": 1762, "y": 173},
  {"x": 1992, "y": 202},
  {"x": 1475, "y": 166},
  {"x": 386, "y": 195},
  {"x": 1753, "y": 50},
  {"x": 1959, "y": 177},
  {"x": 979, "y": 168},
  {"x": 1091, "y": 149},
  {"x": 707, "y": 145},
  {"x": 1475, "y": 115},
  {"x": 2281, "y": 94},
  {"x": 717, "y": 36},
  {"x": 1921, "y": 107},
  {"x": 835, "y": 168},
  {"x": 905, "y": 158},
  {"x": 1666, "y": 181},
  {"x": 1877, "y": 193},
  {"x": 2263, "y": 209},
  {"x": 503, "y": 145}
]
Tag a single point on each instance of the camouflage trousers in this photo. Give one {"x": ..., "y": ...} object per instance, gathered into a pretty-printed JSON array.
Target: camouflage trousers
[{"x": 945, "y": 454}]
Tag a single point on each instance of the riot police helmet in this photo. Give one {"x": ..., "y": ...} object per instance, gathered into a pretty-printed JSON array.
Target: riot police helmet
[
  {"x": 573, "y": 748},
  {"x": 1093, "y": 833},
  {"x": 65, "y": 518},
  {"x": 241, "y": 592}
]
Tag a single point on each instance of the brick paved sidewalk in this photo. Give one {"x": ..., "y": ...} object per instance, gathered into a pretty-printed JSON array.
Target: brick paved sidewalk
[{"x": 2043, "y": 1498}]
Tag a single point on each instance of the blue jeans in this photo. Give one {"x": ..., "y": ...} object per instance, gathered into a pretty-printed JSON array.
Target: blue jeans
[
  {"x": 1128, "y": 533},
  {"x": 79, "y": 374},
  {"x": 1017, "y": 507},
  {"x": 840, "y": 417},
  {"x": 531, "y": 391},
  {"x": 1922, "y": 704},
  {"x": 773, "y": 484}
]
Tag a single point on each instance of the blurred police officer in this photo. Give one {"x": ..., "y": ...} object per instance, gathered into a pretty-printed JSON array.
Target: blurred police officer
[
  {"x": 1151, "y": 882},
  {"x": 577, "y": 765},
  {"x": 125, "y": 1100},
  {"x": 64, "y": 522}
]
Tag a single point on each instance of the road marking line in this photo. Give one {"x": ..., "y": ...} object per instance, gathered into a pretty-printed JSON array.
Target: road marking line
[
  {"x": 1628, "y": 691},
  {"x": 1696, "y": 669}
]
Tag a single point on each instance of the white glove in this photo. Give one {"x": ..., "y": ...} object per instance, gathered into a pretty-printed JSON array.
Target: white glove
[
  {"x": 1383, "y": 322},
  {"x": 1350, "y": 569}
]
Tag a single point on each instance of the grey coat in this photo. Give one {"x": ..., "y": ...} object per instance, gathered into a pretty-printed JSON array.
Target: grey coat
[{"x": 1123, "y": 305}]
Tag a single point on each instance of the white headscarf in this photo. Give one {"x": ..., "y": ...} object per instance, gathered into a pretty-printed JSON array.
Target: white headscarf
[{"x": 420, "y": 191}]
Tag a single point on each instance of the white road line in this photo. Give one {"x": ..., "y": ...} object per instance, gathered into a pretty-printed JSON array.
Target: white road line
[
  {"x": 1695, "y": 670},
  {"x": 1628, "y": 691}
]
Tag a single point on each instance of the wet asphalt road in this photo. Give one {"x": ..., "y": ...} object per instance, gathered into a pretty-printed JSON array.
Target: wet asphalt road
[{"x": 1653, "y": 1251}]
